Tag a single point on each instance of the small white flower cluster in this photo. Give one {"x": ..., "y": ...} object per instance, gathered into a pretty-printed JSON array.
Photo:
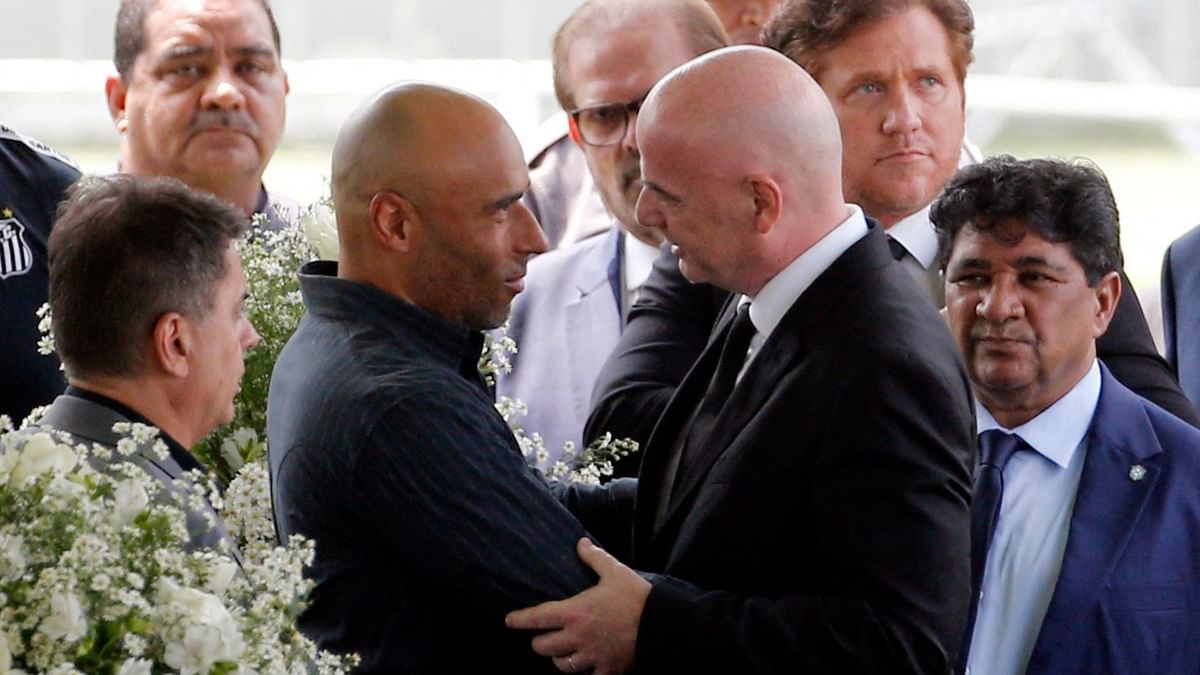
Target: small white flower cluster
[
  {"x": 46, "y": 341},
  {"x": 96, "y": 575},
  {"x": 498, "y": 348},
  {"x": 590, "y": 466}
]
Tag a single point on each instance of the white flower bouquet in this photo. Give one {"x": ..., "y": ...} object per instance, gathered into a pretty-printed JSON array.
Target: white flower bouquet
[{"x": 97, "y": 576}]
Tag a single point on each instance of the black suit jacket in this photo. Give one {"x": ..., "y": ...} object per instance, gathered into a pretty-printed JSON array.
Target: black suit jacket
[
  {"x": 830, "y": 507},
  {"x": 673, "y": 319}
]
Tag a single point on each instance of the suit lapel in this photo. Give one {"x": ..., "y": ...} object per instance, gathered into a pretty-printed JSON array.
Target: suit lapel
[
  {"x": 788, "y": 343},
  {"x": 94, "y": 422},
  {"x": 1108, "y": 509},
  {"x": 591, "y": 318},
  {"x": 664, "y": 442}
]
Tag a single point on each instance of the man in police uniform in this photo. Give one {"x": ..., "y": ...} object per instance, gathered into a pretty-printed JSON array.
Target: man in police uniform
[{"x": 33, "y": 178}]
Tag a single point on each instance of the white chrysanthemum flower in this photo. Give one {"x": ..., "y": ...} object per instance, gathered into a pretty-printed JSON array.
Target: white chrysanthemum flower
[
  {"x": 67, "y": 620},
  {"x": 126, "y": 447},
  {"x": 13, "y": 560},
  {"x": 5, "y": 653},
  {"x": 134, "y": 644},
  {"x": 129, "y": 499},
  {"x": 135, "y": 667},
  {"x": 41, "y": 455},
  {"x": 221, "y": 571},
  {"x": 101, "y": 582}
]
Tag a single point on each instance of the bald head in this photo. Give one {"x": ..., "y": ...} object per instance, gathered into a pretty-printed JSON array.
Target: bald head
[
  {"x": 748, "y": 122},
  {"x": 427, "y": 184},
  {"x": 409, "y": 138}
]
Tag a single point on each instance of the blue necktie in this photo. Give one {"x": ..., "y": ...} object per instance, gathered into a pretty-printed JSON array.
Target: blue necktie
[
  {"x": 995, "y": 449},
  {"x": 898, "y": 250}
]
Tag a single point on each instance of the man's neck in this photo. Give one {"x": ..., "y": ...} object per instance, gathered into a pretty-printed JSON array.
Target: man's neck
[{"x": 145, "y": 398}]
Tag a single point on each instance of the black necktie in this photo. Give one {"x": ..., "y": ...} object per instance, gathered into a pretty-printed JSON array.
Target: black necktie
[
  {"x": 898, "y": 250},
  {"x": 733, "y": 357},
  {"x": 995, "y": 449},
  {"x": 729, "y": 364}
]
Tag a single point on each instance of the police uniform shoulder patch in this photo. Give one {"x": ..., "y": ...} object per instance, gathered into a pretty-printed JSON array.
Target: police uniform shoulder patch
[
  {"x": 36, "y": 145},
  {"x": 15, "y": 256}
]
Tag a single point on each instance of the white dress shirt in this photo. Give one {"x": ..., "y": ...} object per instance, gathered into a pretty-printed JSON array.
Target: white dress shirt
[
  {"x": 916, "y": 234},
  {"x": 1026, "y": 554},
  {"x": 781, "y": 292},
  {"x": 636, "y": 266}
]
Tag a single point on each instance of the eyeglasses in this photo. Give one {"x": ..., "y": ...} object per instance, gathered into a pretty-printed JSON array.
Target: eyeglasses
[{"x": 605, "y": 124}]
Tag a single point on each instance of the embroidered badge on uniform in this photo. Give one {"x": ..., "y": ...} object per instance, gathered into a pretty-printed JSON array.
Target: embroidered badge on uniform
[{"x": 15, "y": 256}]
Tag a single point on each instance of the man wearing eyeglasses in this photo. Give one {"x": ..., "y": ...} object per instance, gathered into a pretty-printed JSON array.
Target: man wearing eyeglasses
[{"x": 607, "y": 56}]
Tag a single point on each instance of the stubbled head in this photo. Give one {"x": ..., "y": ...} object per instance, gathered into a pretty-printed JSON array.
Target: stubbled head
[{"x": 427, "y": 183}]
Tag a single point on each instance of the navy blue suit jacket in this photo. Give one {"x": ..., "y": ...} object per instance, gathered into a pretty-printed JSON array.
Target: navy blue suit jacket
[
  {"x": 1128, "y": 597},
  {"x": 1181, "y": 311}
]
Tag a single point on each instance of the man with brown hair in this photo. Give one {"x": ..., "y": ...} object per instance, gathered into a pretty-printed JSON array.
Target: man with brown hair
[
  {"x": 146, "y": 294},
  {"x": 199, "y": 96}
]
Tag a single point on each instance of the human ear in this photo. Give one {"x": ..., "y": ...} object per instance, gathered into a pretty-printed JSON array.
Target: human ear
[
  {"x": 394, "y": 220},
  {"x": 174, "y": 343},
  {"x": 1108, "y": 294},
  {"x": 114, "y": 93}
]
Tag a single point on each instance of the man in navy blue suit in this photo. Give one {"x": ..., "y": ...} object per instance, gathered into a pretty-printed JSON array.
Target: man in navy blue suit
[{"x": 1086, "y": 520}]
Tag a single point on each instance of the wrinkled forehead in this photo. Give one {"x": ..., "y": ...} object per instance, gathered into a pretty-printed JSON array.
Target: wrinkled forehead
[{"x": 240, "y": 24}]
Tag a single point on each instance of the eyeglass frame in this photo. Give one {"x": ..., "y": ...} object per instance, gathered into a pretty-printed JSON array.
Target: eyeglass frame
[{"x": 627, "y": 108}]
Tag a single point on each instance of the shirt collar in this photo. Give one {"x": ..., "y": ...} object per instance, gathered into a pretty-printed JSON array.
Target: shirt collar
[
  {"x": 639, "y": 259},
  {"x": 454, "y": 344},
  {"x": 781, "y": 292},
  {"x": 182, "y": 457},
  {"x": 916, "y": 234},
  {"x": 1056, "y": 432}
]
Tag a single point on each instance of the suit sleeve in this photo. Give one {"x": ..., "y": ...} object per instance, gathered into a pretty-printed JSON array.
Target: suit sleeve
[
  {"x": 1128, "y": 350},
  {"x": 454, "y": 497},
  {"x": 891, "y": 489},
  {"x": 667, "y": 329}
]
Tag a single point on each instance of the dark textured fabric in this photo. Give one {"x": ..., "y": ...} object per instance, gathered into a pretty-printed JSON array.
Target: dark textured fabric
[
  {"x": 898, "y": 250},
  {"x": 729, "y": 364},
  {"x": 385, "y": 448},
  {"x": 33, "y": 180},
  {"x": 823, "y": 526}
]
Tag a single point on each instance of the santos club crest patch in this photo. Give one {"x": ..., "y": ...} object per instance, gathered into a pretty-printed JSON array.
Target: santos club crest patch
[{"x": 15, "y": 256}]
